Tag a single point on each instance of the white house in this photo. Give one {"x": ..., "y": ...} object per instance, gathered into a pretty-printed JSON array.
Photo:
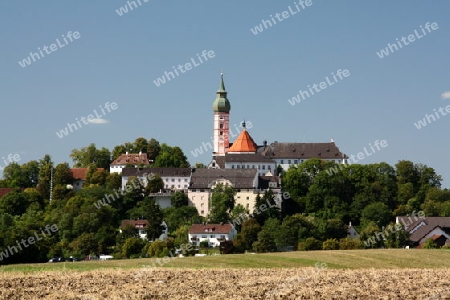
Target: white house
[
  {"x": 136, "y": 159},
  {"x": 141, "y": 226},
  {"x": 213, "y": 233},
  {"x": 173, "y": 178}
]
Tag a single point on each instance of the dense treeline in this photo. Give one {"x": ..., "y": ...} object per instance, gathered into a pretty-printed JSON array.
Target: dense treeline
[
  {"x": 83, "y": 226},
  {"x": 321, "y": 199},
  {"x": 326, "y": 197}
]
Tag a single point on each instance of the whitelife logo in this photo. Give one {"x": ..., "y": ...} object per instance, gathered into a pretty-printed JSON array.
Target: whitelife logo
[
  {"x": 281, "y": 17},
  {"x": 31, "y": 240},
  {"x": 90, "y": 119},
  {"x": 411, "y": 38},
  {"x": 71, "y": 36},
  {"x": 187, "y": 66}
]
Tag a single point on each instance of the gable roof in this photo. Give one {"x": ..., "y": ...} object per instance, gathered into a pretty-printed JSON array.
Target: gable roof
[
  {"x": 303, "y": 150},
  {"x": 80, "y": 173},
  {"x": 420, "y": 227},
  {"x": 243, "y": 143},
  {"x": 163, "y": 172},
  {"x": 265, "y": 180},
  {"x": 239, "y": 178},
  {"x": 210, "y": 228},
  {"x": 131, "y": 158},
  {"x": 4, "y": 191},
  {"x": 134, "y": 223}
]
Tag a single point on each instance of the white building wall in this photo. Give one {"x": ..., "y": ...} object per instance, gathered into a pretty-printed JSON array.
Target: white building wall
[
  {"x": 200, "y": 199},
  {"x": 213, "y": 237}
]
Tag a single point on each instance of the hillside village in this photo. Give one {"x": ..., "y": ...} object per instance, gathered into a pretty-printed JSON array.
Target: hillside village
[{"x": 144, "y": 199}]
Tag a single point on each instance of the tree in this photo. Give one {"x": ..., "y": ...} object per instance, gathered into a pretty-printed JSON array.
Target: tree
[
  {"x": 140, "y": 145},
  {"x": 86, "y": 156},
  {"x": 153, "y": 149},
  {"x": 372, "y": 236},
  {"x": 171, "y": 157},
  {"x": 155, "y": 184},
  {"x": 376, "y": 212},
  {"x": 150, "y": 211},
  {"x": 179, "y": 199},
  {"x": 175, "y": 217},
  {"x": 332, "y": 228},
  {"x": 398, "y": 238},
  {"x": 239, "y": 214},
  {"x": 200, "y": 166},
  {"x": 265, "y": 242},
  {"x": 132, "y": 247},
  {"x": 13, "y": 175},
  {"x": 98, "y": 177},
  {"x": 222, "y": 203},
  {"x": 113, "y": 181},
  {"x": 249, "y": 233},
  {"x": 62, "y": 175},
  {"x": 30, "y": 171},
  {"x": 14, "y": 203}
]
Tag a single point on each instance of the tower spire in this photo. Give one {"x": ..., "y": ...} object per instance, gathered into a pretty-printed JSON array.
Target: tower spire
[
  {"x": 221, "y": 108},
  {"x": 222, "y": 84}
]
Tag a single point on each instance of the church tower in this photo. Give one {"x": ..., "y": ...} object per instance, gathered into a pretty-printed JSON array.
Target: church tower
[{"x": 221, "y": 108}]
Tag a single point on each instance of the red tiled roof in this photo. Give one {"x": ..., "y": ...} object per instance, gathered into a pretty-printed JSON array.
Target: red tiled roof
[
  {"x": 80, "y": 173},
  {"x": 211, "y": 228},
  {"x": 135, "y": 223},
  {"x": 243, "y": 143},
  {"x": 132, "y": 158},
  {"x": 4, "y": 191}
]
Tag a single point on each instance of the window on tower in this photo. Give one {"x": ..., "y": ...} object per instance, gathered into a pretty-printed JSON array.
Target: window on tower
[
  {"x": 221, "y": 126},
  {"x": 221, "y": 133}
]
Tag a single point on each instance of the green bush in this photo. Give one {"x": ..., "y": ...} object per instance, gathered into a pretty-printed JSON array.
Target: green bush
[
  {"x": 204, "y": 244},
  {"x": 349, "y": 244},
  {"x": 132, "y": 247},
  {"x": 310, "y": 244},
  {"x": 330, "y": 244},
  {"x": 429, "y": 244}
]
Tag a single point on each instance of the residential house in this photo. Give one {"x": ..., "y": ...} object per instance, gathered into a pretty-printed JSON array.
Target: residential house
[
  {"x": 351, "y": 232},
  {"x": 79, "y": 177},
  {"x": 4, "y": 191},
  {"x": 136, "y": 159},
  {"x": 141, "y": 226},
  {"x": 421, "y": 229},
  {"x": 213, "y": 233},
  {"x": 173, "y": 178}
]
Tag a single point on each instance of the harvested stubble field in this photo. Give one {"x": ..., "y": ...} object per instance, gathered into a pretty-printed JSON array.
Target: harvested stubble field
[{"x": 388, "y": 280}]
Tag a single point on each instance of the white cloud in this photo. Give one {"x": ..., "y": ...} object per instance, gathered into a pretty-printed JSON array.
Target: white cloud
[
  {"x": 446, "y": 95},
  {"x": 99, "y": 121}
]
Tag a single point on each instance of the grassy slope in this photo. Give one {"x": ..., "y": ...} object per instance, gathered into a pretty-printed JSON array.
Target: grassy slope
[{"x": 340, "y": 259}]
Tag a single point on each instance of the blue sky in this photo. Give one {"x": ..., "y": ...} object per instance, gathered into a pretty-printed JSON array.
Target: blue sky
[{"x": 117, "y": 58}]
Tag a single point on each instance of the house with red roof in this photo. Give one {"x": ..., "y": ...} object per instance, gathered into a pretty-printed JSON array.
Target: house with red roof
[
  {"x": 137, "y": 160},
  {"x": 4, "y": 191},
  {"x": 79, "y": 177},
  {"x": 421, "y": 229}
]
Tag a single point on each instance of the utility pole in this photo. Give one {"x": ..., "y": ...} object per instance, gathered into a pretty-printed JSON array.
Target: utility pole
[{"x": 51, "y": 182}]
